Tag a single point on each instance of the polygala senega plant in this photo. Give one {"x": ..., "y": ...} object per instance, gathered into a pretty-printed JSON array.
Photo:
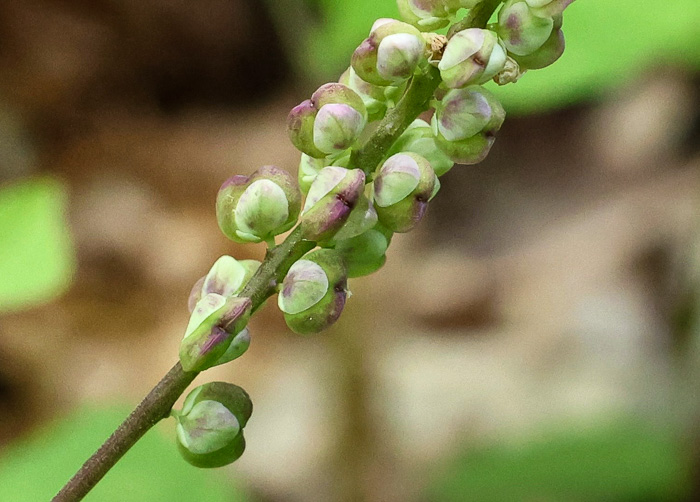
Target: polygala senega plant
[{"x": 369, "y": 168}]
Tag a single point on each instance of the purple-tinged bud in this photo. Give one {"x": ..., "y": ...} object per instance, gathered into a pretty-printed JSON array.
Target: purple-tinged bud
[
  {"x": 362, "y": 218},
  {"x": 428, "y": 15},
  {"x": 209, "y": 430},
  {"x": 328, "y": 123},
  {"x": 472, "y": 56},
  {"x": 227, "y": 277},
  {"x": 314, "y": 291},
  {"x": 465, "y": 123},
  {"x": 522, "y": 28},
  {"x": 256, "y": 208},
  {"x": 364, "y": 254},
  {"x": 390, "y": 55},
  {"x": 214, "y": 323},
  {"x": 550, "y": 51},
  {"x": 402, "y": 188},
  {"x": 331, "y": 198},
  {"x": 309, "y": 168},
  {"x": 419, "y": 138}
]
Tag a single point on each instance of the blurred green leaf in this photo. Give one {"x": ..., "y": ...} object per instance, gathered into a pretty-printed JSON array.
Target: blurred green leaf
[
  {"x": 617, "y": 461},
  {"x": 153, "y": 471},
  {"x": 36, "y": 252},
  {"x": 609, "y": 42}
]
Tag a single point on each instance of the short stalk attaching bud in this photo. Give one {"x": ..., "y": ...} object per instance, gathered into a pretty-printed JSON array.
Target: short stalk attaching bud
[
  {"x": 472, "y": 56},
  {"x": 465, "y": 123},
  {"x": 210, "y": 425},
  {"x": 314, "y": 291},
  {"x": 331, "y": 198},
  {"x": 256, "y": 208},
  {"x": 402, "y": 188},
  {"x": 391, "y": 53},
  {"x": 328, "y": 123}
]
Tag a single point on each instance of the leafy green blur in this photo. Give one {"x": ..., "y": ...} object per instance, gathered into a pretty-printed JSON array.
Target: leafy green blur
[
  {"x": 37, "y": 259},
  {"x": 153, "y": 471}
]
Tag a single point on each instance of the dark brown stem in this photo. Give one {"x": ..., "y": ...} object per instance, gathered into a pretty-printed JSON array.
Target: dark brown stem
[{"x": 155, "y": 406}]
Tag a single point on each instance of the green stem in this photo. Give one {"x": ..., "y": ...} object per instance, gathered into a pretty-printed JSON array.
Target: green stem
[{"x": 159, "y": 402}]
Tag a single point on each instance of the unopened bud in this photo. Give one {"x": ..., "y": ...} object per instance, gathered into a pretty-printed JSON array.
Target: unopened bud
[
  {"x": 374, "y": 97},
  {"x": 549, "y": 8},
  {"x": 331, "y": 198},
  {"x": 210, "y": 425},
  {"x": 227, "y": 277},
  {"x": 550, "y": 51},
  {"x": 419, "y": 138},
  {"x": 256, "y": 208},
  {"x": 365, "y": 253},
  {"x": 402, "y": 188},
  {"x": 314, "y": 291},
  {"x": 465, "y": 123},
  {"x": 390, "y": 55},
  {"x": 522, "y": 28},
  {"x": 472, "y": 56},
  {"x": 428, "y": 15},
  {"x": 328, "y": 123},
  {"x": 362, "y": 218},
  {"x": 214, "y": 323}
]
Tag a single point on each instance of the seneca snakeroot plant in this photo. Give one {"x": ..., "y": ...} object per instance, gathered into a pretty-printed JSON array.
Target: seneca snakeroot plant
[{"x": 369, "y": 167}]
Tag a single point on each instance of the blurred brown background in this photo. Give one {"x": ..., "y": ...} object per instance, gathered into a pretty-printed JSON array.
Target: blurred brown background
[{"x": 551, "y": 284}]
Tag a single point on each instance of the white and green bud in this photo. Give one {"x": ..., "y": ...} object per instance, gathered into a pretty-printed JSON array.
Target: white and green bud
[
  {"x": 364, "y": 254},
  {"x": 309, "y": 168},
  {"x": 331, "y": 198},
  {"x": 227, "y": 277},
  {"x": 256, "y": 208},
  {"x": 314, "y": 291},
  {"x": 403, "y": 187},
  {"x": 525, "y": 25},
  {"x": 328, "y": 123},
  {"x": 428, "y": 15},
  {"x": 465, "y": 123},
  {"x": 209, "y": 431},
  {"x": 391, "y": 53},
  {"x": 419, "y": 138},
  {"x": 472, "y": 56},
  {"x": 214, "y": 324},
  {"x": 362, "y": 218},
  {"x": 550, "y": 51}
]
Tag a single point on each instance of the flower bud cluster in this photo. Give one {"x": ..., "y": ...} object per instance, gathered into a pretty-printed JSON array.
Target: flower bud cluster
[
  {"x": 209, "y": 430},
  {"x": 351, "y": 211}
]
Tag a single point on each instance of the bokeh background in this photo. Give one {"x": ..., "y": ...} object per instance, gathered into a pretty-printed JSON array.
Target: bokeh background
[{"x": 536, "y": 339}]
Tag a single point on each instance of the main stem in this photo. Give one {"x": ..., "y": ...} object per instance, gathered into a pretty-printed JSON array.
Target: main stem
[{"x": 158, "y": 403}]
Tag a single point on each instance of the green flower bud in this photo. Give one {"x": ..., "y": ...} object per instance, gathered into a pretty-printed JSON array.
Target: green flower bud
[
  {"x": 419, "y": 138},
  {"x": 214, "y": 323},
  {"x": 310, "y": 167},
  {"x": 428, "y": 15},
  {"x": 227, "y": 277},
  {"x": 390, "y": 55},
  {"x": 256, "y": 208},
  {"x": 314, "y": 291},
  {"x": 328, "y": 123},
  {"x": 472, "y": 56},
  {"x": 522, "y": 28},
  {"x": 209, "y": 430},
  {"x": 374, "y": 97},
  {"x": 331, "y": 198},
  {"x": 465, "y": 123},
  {"x": 402, "y": 188},
  {"x": 365, "y": 253},
  {"x": 550, "y": 51}
]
